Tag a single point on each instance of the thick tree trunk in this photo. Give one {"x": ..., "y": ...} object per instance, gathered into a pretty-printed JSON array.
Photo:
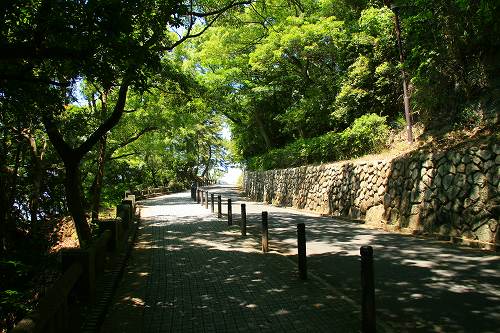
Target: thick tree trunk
[
  {"x": 8, "y": 195},
  {"x": 73, "y": 156},
  {"x": 3, "y": 197},
  {"x": 36, "y": 176},
  {"x": 207, "y": 165},
  {"x": 98, "y": 179},
  {"x": 8, "y": 187},
  {"x": 74, "y": 198},
  {"x": 262, "y": 131},
  {"x": 3, "y": 211}
]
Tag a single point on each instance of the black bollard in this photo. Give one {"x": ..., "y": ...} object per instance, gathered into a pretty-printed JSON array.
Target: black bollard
[
  {"x": 229, "y": 212},
  {"x": 367, "y": 291},
  {"x": 219, "y": 206},
  {"x": 301, "y": 245},
  {"x": 197, "y": 196},
  {"x": 265, "y": 233},
  {"x": 211, "y": 202},
  {"x": 202, "y": 195},
  {"x": 243, "y": 223}
]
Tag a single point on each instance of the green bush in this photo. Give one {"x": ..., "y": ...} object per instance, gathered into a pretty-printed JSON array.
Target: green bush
[
  {"x": 366, "y": 135},
  {"x": 176, "y": 186},
  {"x": 14, "y": 294}
]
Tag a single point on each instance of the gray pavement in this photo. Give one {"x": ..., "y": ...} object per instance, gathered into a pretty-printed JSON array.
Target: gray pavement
[{"x": 190, "y": 272}]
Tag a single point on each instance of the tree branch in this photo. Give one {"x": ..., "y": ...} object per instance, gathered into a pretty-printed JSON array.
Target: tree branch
[
  {"x": 29, "y": 52},
  {"x": 108, "y": 123},
  {"x": 137, "y": 136},
  {"x": 121, "y": 156},
  {"x": 233, "y": 119},
  {"x": 220, "y": 10},
  {"x": 32, "y": 79},
  {"x": 62, "y": 147},
  {"x": 216, "y": 13}
]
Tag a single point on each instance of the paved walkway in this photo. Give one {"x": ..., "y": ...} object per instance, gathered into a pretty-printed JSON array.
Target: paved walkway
[{"x": 189, "y": 272}]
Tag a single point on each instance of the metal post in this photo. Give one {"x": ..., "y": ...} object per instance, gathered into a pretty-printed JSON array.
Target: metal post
[
  {"x": 229, "y": 212},
  {"x": 219, "y": 206},
  {"x": 206, "y": 199},
  {"x": 243, "y": 223},
  {"x": 367, "y": 290},
  {"x": 211, "y": 202},
  {"x": 301, "y": 246},
  {"x": 265, "y": 233}
]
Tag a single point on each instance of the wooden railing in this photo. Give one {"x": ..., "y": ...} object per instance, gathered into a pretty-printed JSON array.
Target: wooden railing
[
  {"x": 82, "y": 267},
  {"x": 52, "y": 313},
  {"x": 150, "y": 191}
]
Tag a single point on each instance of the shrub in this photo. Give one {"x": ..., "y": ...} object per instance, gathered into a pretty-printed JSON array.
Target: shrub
[{"x": 366, "y": 135}]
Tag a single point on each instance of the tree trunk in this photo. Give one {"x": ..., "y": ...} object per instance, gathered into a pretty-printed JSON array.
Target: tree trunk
[
  {"x": 36, "y": 175},
  {"x": 263, "y": 131},
  {"x": 207, "y": 165},
  {"x": 8, "y": 182},
  {"x": 98, "y": 179},
  {"x": 9, "y": 192},
  {"x": 101, "y": 159},
  {"x": 72, "y": 158},
  {"x": 74, "y": 197},
  {"x": 3, "y": 196}
]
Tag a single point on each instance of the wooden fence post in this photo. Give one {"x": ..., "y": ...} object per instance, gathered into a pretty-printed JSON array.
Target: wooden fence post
[
  {"x": 211, "y": 202},
  {"x": 367, "y": 291},
  {"x": 265, "y": 233},
  {"x": 126, "y": 213},
  {"x": 86, "y": 286},
  {"x": 206, "y": 199},
  {"x": 112, "y": 226}
]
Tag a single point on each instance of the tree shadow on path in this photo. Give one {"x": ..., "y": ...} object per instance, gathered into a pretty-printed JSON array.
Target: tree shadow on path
[{"x": 422, "y": 285}]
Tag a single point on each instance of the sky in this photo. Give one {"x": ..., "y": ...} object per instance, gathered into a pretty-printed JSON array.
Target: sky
[
  {"x": 231, "y": 176},
  {"x": 232, "y": 173}
]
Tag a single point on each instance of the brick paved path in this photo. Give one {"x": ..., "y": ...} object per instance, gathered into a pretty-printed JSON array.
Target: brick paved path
[
  {"x": 421, "y": 285},
  {"x": 189, "y": 272}
]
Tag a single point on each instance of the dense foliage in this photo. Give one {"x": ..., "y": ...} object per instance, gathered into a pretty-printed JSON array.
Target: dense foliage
[
  {"x": 98, "y": 97},
  {"x": 295, "y": 74},
  {"x": 366, "y": 134},
  {"x": 93, "y": 101}
]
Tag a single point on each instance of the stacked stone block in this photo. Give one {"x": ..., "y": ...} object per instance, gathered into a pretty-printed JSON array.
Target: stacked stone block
[{"x": 453, "y": 193}]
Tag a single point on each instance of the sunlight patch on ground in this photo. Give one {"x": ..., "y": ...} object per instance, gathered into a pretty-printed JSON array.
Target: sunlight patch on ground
[
  {"x": 282, "y": 312},
  {"x": 418, "y": 263},
  {"x": 135, "y": 301},
  {"x": 227, "y": 246}
]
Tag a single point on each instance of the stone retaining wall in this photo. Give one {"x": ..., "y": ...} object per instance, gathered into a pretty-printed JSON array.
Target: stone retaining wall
[{"x": 453, "y": 193}]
